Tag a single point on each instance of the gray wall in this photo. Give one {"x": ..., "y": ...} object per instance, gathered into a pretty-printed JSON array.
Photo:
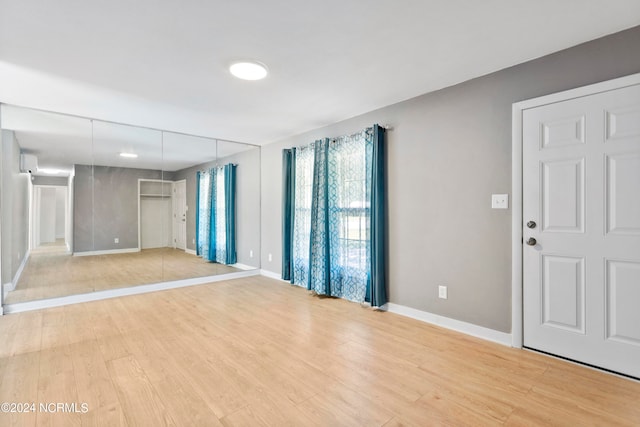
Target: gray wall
[
  {"x": 448, "y": 152},
  {"x": 247, "y": 199},
  {"x": 106, "y": 206},
  {"x": 15, "y": 208}
]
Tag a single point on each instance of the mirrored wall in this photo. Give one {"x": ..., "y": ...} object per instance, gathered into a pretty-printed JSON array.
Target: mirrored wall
[{"x": 90, "y": 206}]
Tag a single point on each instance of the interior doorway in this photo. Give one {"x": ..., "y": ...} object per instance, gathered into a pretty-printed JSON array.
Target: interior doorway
[{"x": 49, "y": 221}]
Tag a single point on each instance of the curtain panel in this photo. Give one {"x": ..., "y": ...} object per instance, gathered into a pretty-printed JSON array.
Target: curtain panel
[
  {"x": 216, "y": 214},
  {"x": 334, "y": 229}
]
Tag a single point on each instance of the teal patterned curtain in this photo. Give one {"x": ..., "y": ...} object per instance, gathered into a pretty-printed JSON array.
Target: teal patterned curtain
[
  {"x": 204, "y": 212},
  {"x": 215, "y": 214},
  {"x": 337, "y": 182},
  {"x": 303, "y": 183}
]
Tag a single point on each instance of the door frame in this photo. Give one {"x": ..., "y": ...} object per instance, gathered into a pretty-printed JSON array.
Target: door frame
[
  {"x": 518, "y": 108},
  {"x": 175, "y": 231},
  {"x": 35, "y": 213}
]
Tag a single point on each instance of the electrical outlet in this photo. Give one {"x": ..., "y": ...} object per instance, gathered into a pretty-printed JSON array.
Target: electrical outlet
[
  {"x": 251, "y": 254},
  {"x": 116, "y": 240},
  {"x": 193, "y": 241},
  {"x": 442, "y": 292},
  {"x": 270, "y": 258}
]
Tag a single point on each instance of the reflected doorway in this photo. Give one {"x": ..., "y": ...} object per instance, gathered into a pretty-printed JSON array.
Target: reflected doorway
[{"x": 50, "y": 220}]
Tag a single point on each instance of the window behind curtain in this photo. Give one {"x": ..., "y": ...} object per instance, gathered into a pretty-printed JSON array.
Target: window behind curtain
[
  {"x": 221, "y": 220},
  {"x": 204, "y": 213},
  {"x": 349, "y": 213},
  {"x": 211, "y": 191},
  {"x": 302, "y": 222},
  {"x": 349, "y": 216}
]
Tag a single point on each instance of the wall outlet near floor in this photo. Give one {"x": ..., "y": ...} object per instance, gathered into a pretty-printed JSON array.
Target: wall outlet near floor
[
  {"x": 442, "y": 292},
  {"x": 270, "y": 258},
  {"x": 193, "y": 241},
  {"x": 251, "y": 254},
  {"x": 116, "y": 240}
]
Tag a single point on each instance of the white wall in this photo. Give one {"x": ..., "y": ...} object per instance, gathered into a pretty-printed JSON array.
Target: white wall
[
  {"x": 47, "y": 214},
  {"x": 61, "y": 202}
]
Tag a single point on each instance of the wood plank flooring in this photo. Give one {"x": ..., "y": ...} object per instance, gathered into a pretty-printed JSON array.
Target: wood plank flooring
[
  {"x": 50, "y": 275},
  {"x": 256, "y": 352}
]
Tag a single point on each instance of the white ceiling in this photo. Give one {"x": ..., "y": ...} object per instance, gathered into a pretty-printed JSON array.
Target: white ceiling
[
  {"x": 59, "y": 141},
  {"x": 163, "y": 64}
]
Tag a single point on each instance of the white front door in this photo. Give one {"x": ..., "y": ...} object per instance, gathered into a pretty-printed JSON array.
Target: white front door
[
  {"x": 581, "y": 205},
  {"x": 180, "y": 214}
]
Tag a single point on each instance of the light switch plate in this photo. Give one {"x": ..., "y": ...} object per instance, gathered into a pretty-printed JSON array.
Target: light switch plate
[
  {"x": 499, "y": 201},
  {"x": 442, "y": 292}
]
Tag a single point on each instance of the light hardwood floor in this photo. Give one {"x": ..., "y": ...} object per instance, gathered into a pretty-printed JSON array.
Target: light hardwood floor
[
  {"x": 50, "y": 275},
  {"x": 254, "y": 351}
]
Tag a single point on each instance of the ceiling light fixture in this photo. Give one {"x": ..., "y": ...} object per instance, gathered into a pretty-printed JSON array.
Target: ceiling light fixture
[
  {"x": 49, "y": 171},
  {"x": 129, "y": 155},
  {"x": 248, "y": 70}
]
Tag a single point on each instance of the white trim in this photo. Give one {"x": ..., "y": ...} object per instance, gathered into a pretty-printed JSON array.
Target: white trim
[
  {"x": 107, "y": 252},
  {"x": 272, "y": 275},
  {"x": 8, "y": 287},
  {"x": 243, "y": 266},
  {"x": 453, "y": 324},
  {"x": 516, "y": 229},
  {"x": 516, "y": 185},
  {"x": 20, "y": 269},
  {"x": 120, "y": 292},
  {"x": 191, "y": 252}
]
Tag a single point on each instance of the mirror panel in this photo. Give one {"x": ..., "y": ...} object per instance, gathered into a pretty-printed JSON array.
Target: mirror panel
[
  {"x": 246, "y": 158},
  {"x": 38, "y": 208},
  {"x": 122, "y": 221},
  {"x": 129, "y": 230}
]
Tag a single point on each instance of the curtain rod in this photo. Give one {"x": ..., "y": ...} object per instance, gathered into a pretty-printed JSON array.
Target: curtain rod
[
  {"x": 215, "y": 167},
  {"x": 385, "y": 127}
]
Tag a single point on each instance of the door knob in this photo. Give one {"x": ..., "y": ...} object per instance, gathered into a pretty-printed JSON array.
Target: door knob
[
  {"x": 531, "y": 241},
  {"x": 531, "y": 224}
]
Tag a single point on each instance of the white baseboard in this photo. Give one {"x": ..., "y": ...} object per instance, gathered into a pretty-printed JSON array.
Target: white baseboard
[
  {"x": 120, "y": 292},
  {"x": 20, "y": 269},
  {"x": 272, "y": 275},
  {"x": 191, "y": 252},
  {"x": 8, "y": 287},
  {"x": 243, "y": 266},
  {"x": 107, "y": 252},
  {"x": 453, "y": 324}
]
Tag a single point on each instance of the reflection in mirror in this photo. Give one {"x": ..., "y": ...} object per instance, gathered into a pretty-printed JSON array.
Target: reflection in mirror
[
  {"x": 207, "y": 218},
  {"x": 41, "y": 153},
  {"x": 110, "y": 205},
  {"x": 129, "y": 227}
]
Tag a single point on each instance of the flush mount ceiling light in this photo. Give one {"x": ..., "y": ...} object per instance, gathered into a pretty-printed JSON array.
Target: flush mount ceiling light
[
  {"x": 49, "y": 171},
  {"x": 129, "y": 155},
  {"x": 247, "y": 70}
]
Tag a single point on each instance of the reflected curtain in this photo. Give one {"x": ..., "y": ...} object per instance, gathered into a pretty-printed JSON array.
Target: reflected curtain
[
  {"x": 337, "y": 188},
  {"x": 216, "y": 214},
  {"x": 230, "y": 212}
]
